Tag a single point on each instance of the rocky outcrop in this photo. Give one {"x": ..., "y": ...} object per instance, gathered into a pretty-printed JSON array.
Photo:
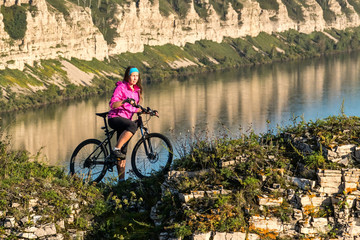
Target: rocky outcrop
[
  {"x": 49, "y": 34},
  {"x": 317, "y": 210}
]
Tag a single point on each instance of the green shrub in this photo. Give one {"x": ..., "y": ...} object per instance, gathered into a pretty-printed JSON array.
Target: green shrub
[
  {"x": 165, "y": 7},
  {"x": 355, "y": 4},
  {"x": 181, "y": 7},
  {"x": 315, "y": 161},
  {"x": 328, "y": 15},
  {"x": 344, "y": 8},
  {"x": 14, "y": 21},
  {"x": 294, "y": 10},
  {"x": 60, "y": 6},
  {"x": 103, "y": 18},
  {"x": 269, "y": 4}
]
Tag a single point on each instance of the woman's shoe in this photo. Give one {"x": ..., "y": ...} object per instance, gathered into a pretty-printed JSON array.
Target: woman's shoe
[{"x": 118, "y": 154}]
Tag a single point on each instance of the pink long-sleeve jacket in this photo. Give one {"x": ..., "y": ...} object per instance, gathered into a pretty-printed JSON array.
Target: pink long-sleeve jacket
[{"x": 123, "y": 91}]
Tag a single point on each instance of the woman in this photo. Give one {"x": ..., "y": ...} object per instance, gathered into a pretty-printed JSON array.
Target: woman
[{"x": 122, "y": 111}]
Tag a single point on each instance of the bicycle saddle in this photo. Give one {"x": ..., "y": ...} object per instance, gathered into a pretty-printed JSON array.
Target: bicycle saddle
[{"x": 102, "y": 114}]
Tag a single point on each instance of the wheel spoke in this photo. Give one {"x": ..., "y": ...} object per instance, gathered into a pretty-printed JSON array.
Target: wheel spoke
[
  {"x": 157, "y": 157},
  {"x": 88, "y": 161}
]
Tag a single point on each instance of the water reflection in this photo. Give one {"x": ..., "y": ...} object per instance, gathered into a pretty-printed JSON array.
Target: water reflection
[{"x": 226, "y": 101}]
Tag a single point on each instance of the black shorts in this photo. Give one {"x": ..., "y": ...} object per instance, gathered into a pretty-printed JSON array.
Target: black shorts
[{"x": 121, "y": 124}]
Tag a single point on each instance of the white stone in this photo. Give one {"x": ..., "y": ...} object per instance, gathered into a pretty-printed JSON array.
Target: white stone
[
  {"x": 230, "y": 236},
  {"x": 202, "y": 236},
  {"x": 349, "y": 187},
  {"x": 56, "y": 237},
  {"x": 321, "y": 225},
  {"x": 33, "y": 203},
  {"x": 46, "y": 230},
  {"x": 345, "y": 149},
  {"x": 9, "y": 222},
  {"x": 24, "y": 220},
  {"x": 194, "y": 194},
  {"x": 303, "y": 183},
  {"x": 27, "y": 235},
  {"x": 30, "y": 229},
  {"x": 314, "y": 200},
  {"x": 261, "y": 223},
  {"x": 36, "y": 218},
  {"x": 61, "y": 224},
  {"x": 15, "y": 205},
  {"x": 330, "y": 190},
  {"x": 355, "y": 227},
  {"x": 268, "y": 201},
  {"x": 49, "y": 35},
  {"x": 253, "y": 236},
  {"x": 308, "y": 230},
  {"x": 228, "y": 163},
  {"x": 351, "y": 175},
  {"x": 297, "y": 214}
]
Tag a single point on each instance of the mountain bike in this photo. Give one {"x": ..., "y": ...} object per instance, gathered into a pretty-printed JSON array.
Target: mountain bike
[{"x": 92, "y": 158}]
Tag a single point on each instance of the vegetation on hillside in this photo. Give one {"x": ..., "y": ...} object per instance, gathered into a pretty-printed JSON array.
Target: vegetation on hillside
[
  {"x": 122, "y": 210},
  {"x": 14, "y": 19},
  {"x": 155, "y": 62},
  {"x": 355, "y": 4},
  {"x": 269, "y": 4},
  {"x": 59, "y": 5},
  {"x": 261, "y": 162},
  {"x": 294, "y": 9},
  {"x": 328, "y": 15}
]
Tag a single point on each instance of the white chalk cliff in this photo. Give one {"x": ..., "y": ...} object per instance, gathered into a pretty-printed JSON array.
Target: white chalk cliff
[{"x": 49, "y": 34}]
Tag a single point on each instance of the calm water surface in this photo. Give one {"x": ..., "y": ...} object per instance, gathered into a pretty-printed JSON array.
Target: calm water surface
[{"x": 210, "y": 104}]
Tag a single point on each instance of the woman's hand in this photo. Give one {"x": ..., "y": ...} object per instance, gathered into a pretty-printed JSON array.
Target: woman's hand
[
  {"x": 120, "y": 103},
  {"x": 131, "y": 101}
]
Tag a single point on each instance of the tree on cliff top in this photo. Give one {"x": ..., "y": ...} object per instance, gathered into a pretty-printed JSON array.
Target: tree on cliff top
[{"x": 14, "y": 21}]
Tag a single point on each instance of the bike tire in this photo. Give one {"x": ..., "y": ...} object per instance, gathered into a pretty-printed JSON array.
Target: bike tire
[
  {"x": 88, "y": 161},
  {"x": 143, "y": 165}
]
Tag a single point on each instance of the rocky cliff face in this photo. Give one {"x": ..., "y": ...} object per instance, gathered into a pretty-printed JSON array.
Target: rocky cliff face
[{"x": 49, "y": 34}]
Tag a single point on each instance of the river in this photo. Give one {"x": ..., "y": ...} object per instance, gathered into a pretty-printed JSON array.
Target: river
[{"x": 212, "y": 104}]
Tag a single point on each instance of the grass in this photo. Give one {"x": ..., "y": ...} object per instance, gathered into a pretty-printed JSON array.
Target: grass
[
  {"x": 60, "y": 6},
  {"x": 14, "y": 19},
  {"x": 328, "y": 15},
  {"x": 355, "y": 4},
  {"x": 294, "y": 10},
  {"x": 258, "y": 157},
  {"x": 121, "y": 211},
  {"x": 11, "y": 77},
  {"x": 155, "y": 63},
  {"x": 269, "y": 4}
]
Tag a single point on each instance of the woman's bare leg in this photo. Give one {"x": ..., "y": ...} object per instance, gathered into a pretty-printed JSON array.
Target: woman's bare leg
[
  {"x": 124, "y": 137},
  {"x": 121, "y": 168}
]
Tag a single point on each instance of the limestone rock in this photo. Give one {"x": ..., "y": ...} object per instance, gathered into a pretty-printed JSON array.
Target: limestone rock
[{"x": 51, "y": 35}]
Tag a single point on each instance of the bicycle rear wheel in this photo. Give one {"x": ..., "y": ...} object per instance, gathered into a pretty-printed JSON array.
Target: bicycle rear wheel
[
  {"x": 88, "y": 161},
  {"x": 152, "y": 155}
]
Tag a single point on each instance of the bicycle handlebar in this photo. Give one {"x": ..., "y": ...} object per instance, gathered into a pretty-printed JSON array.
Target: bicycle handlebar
[{"x": 147, "y": 110}]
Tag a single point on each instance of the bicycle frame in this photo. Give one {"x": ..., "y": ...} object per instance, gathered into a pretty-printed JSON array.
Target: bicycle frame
[
  {"x": 110, "y": 133},
  {"x": 106, "y": 142},
  {"x": 144, "y": 132},
  {"x": 90, "y": 154}
]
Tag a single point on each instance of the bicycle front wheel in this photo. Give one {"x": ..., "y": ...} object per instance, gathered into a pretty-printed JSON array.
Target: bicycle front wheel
[
  {"x": 88, "y": 161},
  {"x": 152, "y": 155}
]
